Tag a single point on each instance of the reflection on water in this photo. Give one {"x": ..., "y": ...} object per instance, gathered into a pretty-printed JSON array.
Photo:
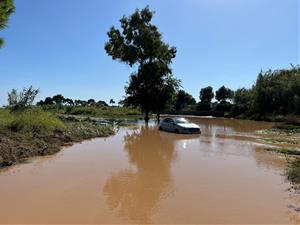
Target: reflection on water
[
  {"x": 142, "y": 175},
  {"x": 136, "y": 193}
]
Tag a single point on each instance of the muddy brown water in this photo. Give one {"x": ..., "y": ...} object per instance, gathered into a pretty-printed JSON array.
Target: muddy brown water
[{"x": 142, "y": 175}]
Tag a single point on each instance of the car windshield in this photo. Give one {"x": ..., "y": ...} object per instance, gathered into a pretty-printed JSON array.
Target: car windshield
[{"x": 181, "y": 120}]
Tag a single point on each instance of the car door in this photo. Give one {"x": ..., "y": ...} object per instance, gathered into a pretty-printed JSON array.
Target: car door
[
  {"x": 172, "y": 125},
  {"x": 167, "y": 124}
]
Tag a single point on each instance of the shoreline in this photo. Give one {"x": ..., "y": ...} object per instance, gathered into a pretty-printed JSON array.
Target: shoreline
[{"x": 18, "y": 147}]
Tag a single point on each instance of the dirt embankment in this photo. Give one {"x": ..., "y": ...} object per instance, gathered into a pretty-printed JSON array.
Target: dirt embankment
[{"x": 15, "y": 147}]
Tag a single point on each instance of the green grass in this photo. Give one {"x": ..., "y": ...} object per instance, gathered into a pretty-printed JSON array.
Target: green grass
[
  {"x": 280, "y": 141},
  {"x": 285, "y": 151},
  {"x": 106, "y": 112},
  {"x": 34, "y": 132},
  {"x": 33, "y": 120},
  {"x": 6, "y": 118},
  {"x": 293, "y": 174}
]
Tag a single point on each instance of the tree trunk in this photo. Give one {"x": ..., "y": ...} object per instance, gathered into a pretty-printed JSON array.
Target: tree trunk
[
  {"x": 158, "y": 117},
  {"x": 146, "y": 116}
]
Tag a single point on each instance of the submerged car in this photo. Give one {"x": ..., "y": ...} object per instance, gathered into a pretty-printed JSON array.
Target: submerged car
[{"x": 179, "y": 125}]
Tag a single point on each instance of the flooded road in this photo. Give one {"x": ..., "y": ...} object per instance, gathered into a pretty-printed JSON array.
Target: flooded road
[{"x": 142, "y": 175}]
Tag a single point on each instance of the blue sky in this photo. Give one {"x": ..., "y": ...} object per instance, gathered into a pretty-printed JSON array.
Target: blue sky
[{"x": 58, "y": 45}]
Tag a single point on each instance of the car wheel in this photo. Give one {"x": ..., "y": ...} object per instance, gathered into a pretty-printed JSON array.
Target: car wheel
[
  {"x": 177, "y": 131},
  {"x": 160, "y": 128}
]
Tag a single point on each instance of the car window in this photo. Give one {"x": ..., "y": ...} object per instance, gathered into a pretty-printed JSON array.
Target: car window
[
  {"x": 181, "y": 121},
  {"x": 168, "y": 120}
]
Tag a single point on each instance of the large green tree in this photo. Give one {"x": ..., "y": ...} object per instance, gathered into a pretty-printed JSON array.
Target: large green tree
[
  {"x": 223, "y": 94},
  {"x": 6, "y": 8},
  {"x": 206, "y": 95},
  {"x": 183, "y": 99},
  {"x": 139, "y": 43}
]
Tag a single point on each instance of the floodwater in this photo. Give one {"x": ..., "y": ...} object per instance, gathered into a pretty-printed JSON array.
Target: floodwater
[{"x": 142, "y": 175}]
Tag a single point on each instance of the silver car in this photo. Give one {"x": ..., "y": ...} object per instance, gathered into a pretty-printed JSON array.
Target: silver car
[{"x": 179, "y": 125}]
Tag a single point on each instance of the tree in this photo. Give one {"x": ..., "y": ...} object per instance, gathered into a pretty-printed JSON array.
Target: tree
[
  {"x": 19, "y": 101},
  {"x": 139, "y": 43},
  {"x": 102, "y": 103},
  {"x": 58, "y": 99},
  {"x": 277, "y": 92},
  {"x": 243, "y": 101},
  {"x": 91, "y": 102},
  {"x": 112, "y": 101},
  {"x": 224, "y": 94},
  {"x": 48, "y": 101},
  {"x": 68, "y": 101},
  {"x": 206, "y": 95},
  {"x": 6, "y": 9},
  {"x": 183, "y": 99}
]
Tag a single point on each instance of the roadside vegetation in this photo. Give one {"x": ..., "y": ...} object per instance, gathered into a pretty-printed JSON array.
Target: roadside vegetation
[
  {"x": 274, "y": 97},
  {"x": 27, "y": 131},
  {"x": 293, "y": 174},
  {"x": 91, "y": 107}
]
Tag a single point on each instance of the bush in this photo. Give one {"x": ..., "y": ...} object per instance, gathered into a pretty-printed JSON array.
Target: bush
[
  {"x": 202, "y": 106},
  {"x": 223, "y": 107},
  {"x": 34, "y": 120},
  {"x": 292, "y": 120},
  {"x": 227, "y": 115}
]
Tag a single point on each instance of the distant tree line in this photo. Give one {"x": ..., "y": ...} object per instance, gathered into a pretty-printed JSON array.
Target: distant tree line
[
  {"x": 274, "y": 93},
  {"x": 60, "y": 100}
]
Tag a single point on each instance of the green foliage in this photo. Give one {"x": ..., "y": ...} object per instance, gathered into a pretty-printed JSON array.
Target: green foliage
[
  {"x": 139, "y": 42},
  {"x": 223, "y": 107},
  {"x": 243, "y": 102},
  {"x": 95, "y": 111},
  {"x": 68, "y": 101},
  {"x": 182, "y": 100},
  {"x": 6, "y": 118},
  {"x": 206, "y": 95},
  {"x": 293, "y": 174},
  {"x": 278, "y": 92},
  {"x": 86, "y": 129},
  {"x": 204, "y": 106},
  {"x": 33, "y": 132},
  {"x": 6, "y": 9},
  {"x": 33, "y": 120},
  {"x": 58, "y": 99},
  {"x": 224, "y": 94},
  {"x": 285, "y": 151},
  {"x": 23, "y": 99}
]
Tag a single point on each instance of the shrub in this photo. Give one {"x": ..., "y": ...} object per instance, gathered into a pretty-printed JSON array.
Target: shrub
[
  {"x": 292, "y": 120},
  {"x": 223, "y": 107},
  {"x": 202, "y": 106}
]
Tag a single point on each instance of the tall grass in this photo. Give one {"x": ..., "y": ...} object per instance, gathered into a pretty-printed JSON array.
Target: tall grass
[
  {"x": 111, "y": 112},
  {"x": 6, "y": 118},
  {"x": 33, "y": 120},
  {"x": 293, "y": 174}
]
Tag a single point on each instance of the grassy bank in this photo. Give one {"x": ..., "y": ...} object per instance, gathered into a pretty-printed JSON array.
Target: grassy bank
[
  {"x": 293, "y": 174},
  {"x": 286, "y": 138},
  {"x": 95, "y": 111},
  {"x": 34, "y": 132}
]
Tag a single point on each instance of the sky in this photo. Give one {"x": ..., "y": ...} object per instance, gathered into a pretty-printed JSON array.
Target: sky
[{"x": 58, "y": 45}]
